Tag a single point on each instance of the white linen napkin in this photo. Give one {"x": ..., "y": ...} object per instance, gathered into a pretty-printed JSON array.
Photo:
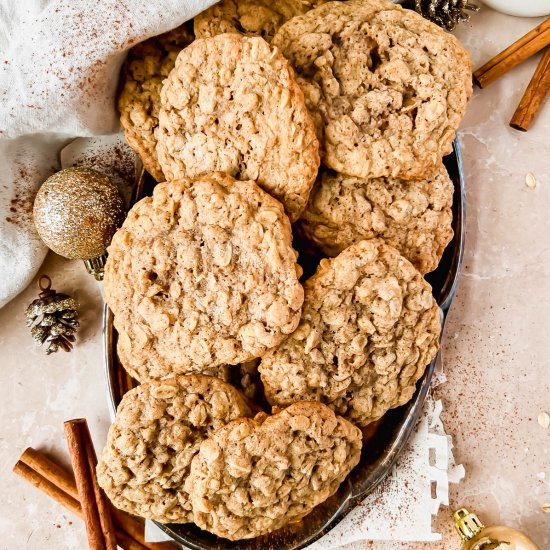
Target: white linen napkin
[{"x": 59, "y": 68}]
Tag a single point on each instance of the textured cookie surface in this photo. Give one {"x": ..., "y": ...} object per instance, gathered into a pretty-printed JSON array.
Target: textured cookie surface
[
  {"x": 202, "y": 274},
  {"x": 232, "y": 104},
  {"x": 250, "y": 17},
  {"x": 387, "y": 89},
  {"x": 369, "y": 327},
  {"x": 148, "y": 64},
  {"x": 254, "y": 476},
  {"x": 413, "y": 217},
  {"x": 158, "y": 429}
]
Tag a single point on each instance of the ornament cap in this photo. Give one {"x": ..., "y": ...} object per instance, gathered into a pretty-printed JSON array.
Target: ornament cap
[
  {"x": 46, "y": 285},
  {"x": 96, "y": 266},
  {"x": 467, "y": 525}
]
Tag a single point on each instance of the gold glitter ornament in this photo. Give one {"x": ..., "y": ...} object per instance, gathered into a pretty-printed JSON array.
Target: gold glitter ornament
[
  {"x": 476, "y": 536},
  {"x": 76, "y": 213}
]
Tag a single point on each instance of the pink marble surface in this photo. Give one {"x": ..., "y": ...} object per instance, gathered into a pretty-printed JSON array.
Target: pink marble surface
[{"x": 496, "y": 349}]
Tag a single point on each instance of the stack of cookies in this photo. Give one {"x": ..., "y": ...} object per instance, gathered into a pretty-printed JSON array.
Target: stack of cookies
[{"x": 327, "y": 118}]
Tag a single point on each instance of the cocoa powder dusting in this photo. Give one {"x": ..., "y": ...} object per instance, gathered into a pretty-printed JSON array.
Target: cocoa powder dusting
[
  {"x": 21, "y": 208},
  {"x": 21, "y": 205},
  {"x": 117, "y": 161}
]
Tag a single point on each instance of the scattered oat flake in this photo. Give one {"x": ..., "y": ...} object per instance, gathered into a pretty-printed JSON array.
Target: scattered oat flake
[
  {"x": 530, "y": 180},
  {"x": 546, "y": 507},
  {"x": 544, "y": 420}
]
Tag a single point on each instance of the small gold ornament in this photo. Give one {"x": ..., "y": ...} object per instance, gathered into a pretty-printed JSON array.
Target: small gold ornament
[
  {"x": 76, "y": 213},
  {"x": 52, "y": 317},
  {"x": 496, "y": 537}
]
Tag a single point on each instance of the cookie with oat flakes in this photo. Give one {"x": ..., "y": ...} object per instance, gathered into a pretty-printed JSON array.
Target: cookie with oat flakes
[
  {"x": 254, "y": 476},
  {"x": 200, "y": 275},
  {"x": 250, "y": 17},
  {"x": 369, "y": 327},
  {"x": 387, "y": 88},
  {"x": 158, "y": 429},
  {"x": 148, "y": 64},
  {"x": 413, "y": 217},
  {"x": 232, "y": 104}
]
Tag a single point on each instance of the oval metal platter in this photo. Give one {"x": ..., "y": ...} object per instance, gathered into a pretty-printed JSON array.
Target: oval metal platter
[{"x": 384, "y": 440}]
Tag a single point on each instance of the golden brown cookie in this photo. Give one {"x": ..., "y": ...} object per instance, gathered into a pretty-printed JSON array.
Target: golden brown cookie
[
  {"x": 413, "y": 217},
  {"x": 252, "y": 477},
  {"x": 158, "y": 429},
  {"x": 250, "y": 17},
  {"x": 148, "y": 64},
  {"x": 387, "y": 88},
  {"x": 369, "y": 327},
  {"x": 232, "y": 104},
  {"x": 202, "y": 274}
]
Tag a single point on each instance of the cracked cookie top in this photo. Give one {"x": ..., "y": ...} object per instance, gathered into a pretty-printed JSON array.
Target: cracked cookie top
[
  {"x": 232, "y": 104},
  {"x": 202, "y": 274},
  {"x": 369, "y": 327},
  {"x": 386, "y": 88},
  {"x": 253, "y": 476}
]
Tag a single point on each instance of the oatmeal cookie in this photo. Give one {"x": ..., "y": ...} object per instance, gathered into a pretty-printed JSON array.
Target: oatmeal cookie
[
  {"x": 232, "y": 104},
  {"x": 369, "y": 327},
  {"x": 387, "y": 89},
  {"x": 202, "y": 274},
  {"x": 158, "y": 429},
  {"x": 250, "y": 17},
  {"x": 254, "y": 476},
  {"x": 413, "y": 217},
  {"x": 148, "y": 64}
]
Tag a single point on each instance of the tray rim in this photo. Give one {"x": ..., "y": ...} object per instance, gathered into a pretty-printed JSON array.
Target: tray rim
[{"x": 415, "y": 406}]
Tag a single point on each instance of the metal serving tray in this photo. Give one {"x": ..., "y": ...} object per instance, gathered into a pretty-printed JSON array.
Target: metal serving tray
[{"x": 384, "y": 440}]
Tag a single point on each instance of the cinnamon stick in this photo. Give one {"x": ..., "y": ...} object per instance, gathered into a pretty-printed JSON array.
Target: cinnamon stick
[
  {"x": 67, "y": 501},
  {"x": 50, "y": 470},
  {"x": 103, "y": 504},
  {"x": 519, "y": 51},
  {"x": 129, "y": 385},
  {"x": 95, "y": 509},
  {"x": 125, "y": 381},
  {"x": 136, "y": 529},
  {"x": 55, "y": 481},
  {"x": 52, "y": 490},
  {"x": 121, "y": 382},
  {"x": 127, "y": 542},
  {"x": 533, "y": 96}
]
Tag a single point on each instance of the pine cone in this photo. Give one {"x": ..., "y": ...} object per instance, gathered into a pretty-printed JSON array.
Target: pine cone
[
  {"x": 445, "y": 13},
  {"x": 52, "y": 317}
]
